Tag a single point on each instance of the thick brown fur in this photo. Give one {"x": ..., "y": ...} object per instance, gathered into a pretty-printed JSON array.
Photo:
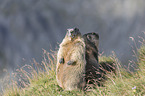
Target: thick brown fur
[
  {"x": 92, "y": 65},
  {"x": 70, "y": 69},
  {"x": 95, "y": 71}
]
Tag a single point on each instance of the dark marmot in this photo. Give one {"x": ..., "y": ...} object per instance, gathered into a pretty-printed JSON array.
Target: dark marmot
[
  {"x": 95, "y": 71},
  {"x": 71, "y": 63},
  {"x": 92, "y": 65}
]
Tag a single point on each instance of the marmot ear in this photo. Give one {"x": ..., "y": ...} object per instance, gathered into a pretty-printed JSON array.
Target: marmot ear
[{"x": 76, "y": 29}]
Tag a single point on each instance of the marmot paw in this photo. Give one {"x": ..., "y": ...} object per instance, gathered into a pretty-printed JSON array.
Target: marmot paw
[
  {"x": 70, "y": 62},
  {"x": 61, "y": 60}
]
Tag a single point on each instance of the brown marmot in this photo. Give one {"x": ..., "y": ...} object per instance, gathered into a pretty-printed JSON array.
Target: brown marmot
[
  {"x": 71, "y": 63},
  {"x": 95, "y": 71},
  {"x": 92, "y": 65}
]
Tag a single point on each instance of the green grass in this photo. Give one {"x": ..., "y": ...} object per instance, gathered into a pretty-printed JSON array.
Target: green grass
[{"x": 40, "y": 80}]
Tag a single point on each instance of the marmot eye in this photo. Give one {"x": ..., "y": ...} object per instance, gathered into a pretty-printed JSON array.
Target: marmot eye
[{"x": 76, "y": 29}]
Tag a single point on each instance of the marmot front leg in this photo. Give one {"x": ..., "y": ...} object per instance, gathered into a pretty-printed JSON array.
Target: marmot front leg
[
  {"x": 71, "y": 62},
  {"x": 61, "y": 60},
  {"x": 60, "y": 56}
]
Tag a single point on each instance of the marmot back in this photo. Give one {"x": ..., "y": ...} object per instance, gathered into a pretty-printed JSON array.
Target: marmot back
[{"x": 71, "y": 63}]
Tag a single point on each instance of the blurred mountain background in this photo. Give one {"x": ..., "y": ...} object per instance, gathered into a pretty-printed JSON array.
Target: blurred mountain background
[{"x": 28, "y": 26}]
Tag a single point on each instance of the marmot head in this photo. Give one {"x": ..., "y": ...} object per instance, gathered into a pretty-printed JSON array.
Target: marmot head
[
  {"x": 73, "y": 33},
  {"x": 92, "y": 38}
]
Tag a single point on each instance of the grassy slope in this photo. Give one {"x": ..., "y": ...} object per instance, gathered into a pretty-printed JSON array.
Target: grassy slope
[{"x": 43, "y": 83}]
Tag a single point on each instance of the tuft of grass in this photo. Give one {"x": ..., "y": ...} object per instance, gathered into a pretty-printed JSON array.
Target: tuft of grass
[
  {"x": 40, "y": 79},
  {"x": 108, "y": 64},
  {"x": 141, "y": 57}
]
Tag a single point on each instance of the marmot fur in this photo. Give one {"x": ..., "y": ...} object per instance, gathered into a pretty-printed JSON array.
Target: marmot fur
[
  {"x": 71, "y": 63},
  {"x": 92, "y": 65},
  {"x": 95, "y": 71}
]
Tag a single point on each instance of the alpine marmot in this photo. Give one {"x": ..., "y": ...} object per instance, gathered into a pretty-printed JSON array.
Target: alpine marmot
[
  {"x": 71, "y": 63},
  {"x": 92, "y": 65}
]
